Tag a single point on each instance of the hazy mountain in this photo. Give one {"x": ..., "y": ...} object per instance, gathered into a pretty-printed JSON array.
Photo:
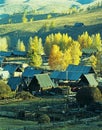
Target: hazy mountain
[{"x": 18, "y": 6}]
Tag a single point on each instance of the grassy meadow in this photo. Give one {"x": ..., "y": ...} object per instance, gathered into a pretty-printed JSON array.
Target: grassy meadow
[
  {"x": 31, "y": 105},
  {"x": 14, "y": 124},
  {"x": 91, "y": 19}
]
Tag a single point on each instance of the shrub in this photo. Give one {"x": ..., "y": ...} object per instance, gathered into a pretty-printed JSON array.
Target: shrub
[
  {"x": 87, "y": 95},
  {"x": 44, "y": 118},
  {"x": 5, "y": 90},
  {"x": 24, "y": 95}
]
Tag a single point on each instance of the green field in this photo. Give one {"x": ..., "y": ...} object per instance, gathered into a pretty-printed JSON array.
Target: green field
[
  {"x": 88, "y": 18},
  {"x": 13, "y": 124},
  {"x": 91, "y": 19},
  {"x": 30, "y": 105}
]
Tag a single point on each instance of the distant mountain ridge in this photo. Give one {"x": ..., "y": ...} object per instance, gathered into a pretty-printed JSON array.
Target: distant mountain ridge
[{"x": 46, "y": 6}]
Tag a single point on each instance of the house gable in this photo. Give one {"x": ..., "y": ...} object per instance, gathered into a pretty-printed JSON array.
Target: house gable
[
  {"x": 13, "y": 69},
  {"x": 16, "y": 83},
  {"x": 89, "y": 80},
  {"x": 40, "y": 81}
]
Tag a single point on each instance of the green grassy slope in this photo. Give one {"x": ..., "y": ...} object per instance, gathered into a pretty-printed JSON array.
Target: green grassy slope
[{"x": 92, "y": 21}]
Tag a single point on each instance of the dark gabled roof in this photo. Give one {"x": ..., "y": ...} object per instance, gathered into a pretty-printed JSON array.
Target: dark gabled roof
[
  {"x": 14, "y": 82},
  {"x": 19, "y": 53},
  {"x": 29, "y": 72},
  {"x": 5, "y": 54},
  {"x": 54, "y": 74},
  {"x": 80, "y": 69},
  {"x": 74, "y": 72},
  {"x": 11, "y": 68},
  {"x": 44, "y": 80},
  {"x": 65, "y": 75},
  {"x": 90, "y": 79}
]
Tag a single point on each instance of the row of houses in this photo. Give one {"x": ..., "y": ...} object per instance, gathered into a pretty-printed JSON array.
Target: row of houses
[
  {"x": 29, "y": 79},
  {"x": 32, "y": 79},
  {"x": 76, "y": 75}
]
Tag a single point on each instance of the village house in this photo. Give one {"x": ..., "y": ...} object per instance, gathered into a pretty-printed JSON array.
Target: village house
[
  {"x": 29, "y": 72},
  {"x": 88, "y": 80},
  {"x": 17, "y": 84},
  {"x": 72, "y": 73},
  {"x": 40, "y": 82},
  {"x": 14, "y": 70}
]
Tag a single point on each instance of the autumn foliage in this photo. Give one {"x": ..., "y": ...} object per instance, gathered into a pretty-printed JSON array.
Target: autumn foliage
[
  {"x": 35, "y": 51},
  {"x": 62, "y": 51},
  {"x": 60, "y": 48}
]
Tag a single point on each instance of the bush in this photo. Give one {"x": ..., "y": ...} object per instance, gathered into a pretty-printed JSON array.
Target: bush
[
  {"x": 100, "y": 88},
  {"x": 44, "y": 118},
  {"x": 87, "y": 95},
  {"x": 5, "y": 90},
  {"x": 24, "y": 95}
]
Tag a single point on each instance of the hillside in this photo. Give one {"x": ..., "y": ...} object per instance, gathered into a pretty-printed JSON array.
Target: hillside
[
  {"x": 8, "y": 7},
  {"x": 91, "y": 19}
]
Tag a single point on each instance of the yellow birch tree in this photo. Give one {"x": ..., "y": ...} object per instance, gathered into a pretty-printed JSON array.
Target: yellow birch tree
[
  {"x": 96, "y": 41},
  {"x": 85, "y": 40},
  {"x": 20, "y": 45},
  {"x": 55, "y": 58},
  {"x": 35, "y": 51},
  {"x": 75, "y": 52},
  {"x": 93, "y": 61},
  {"x": 3, "y": 44}
]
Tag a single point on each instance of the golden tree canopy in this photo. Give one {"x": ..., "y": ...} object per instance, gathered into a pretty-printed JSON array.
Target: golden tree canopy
[{"x": 35, "y": 51}]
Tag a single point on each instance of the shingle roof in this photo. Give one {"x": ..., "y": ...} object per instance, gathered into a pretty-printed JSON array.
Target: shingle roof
[
  {"x": 30, "y": 72},
  {"x": 44, "y": 80}
]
